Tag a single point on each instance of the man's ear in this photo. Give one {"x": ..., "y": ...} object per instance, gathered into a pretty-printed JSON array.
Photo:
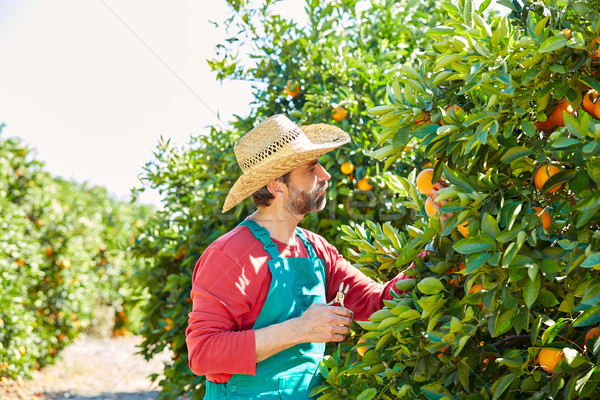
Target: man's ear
[{"x": 276, "y": 188}]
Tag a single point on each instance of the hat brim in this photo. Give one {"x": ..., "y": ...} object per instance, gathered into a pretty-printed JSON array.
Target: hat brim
[{"x": 324, "y": 137}]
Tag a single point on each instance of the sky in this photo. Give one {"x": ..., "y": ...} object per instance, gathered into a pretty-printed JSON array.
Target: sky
[{"x": 92, "y": 85}]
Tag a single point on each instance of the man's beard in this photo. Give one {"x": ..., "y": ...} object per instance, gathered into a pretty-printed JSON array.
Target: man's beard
[{"x": 302, "y": 201}]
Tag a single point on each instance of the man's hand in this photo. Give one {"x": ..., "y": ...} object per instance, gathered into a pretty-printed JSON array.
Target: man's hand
[
  {"x": 322, "y": 323},
  {"x": 319, "y": 323},
  {"x": 436, "y": 205}
]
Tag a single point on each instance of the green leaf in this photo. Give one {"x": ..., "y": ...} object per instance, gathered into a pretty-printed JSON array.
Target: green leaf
[
  {"x": 430, "y": 285},
  {"x": 405, "y": 284},
  {"x": 591, "y": 261},
  {"x": 474, "y": 245},
  {"x": 553, "y": 43},
  {"x": 588, "y": 317},
  {"x": 367, "y": 394},
  {"x": 474, "y": 261},
  {"x": 459, "y": 180},
  {"x": 560, "y": 178},
  {"x": 435, "y": 391},
  {"x": 501, "y": 385},
  {"x": 504, "y": 322},
  {"x": 489, "y": 226},
  {"x": 591, "y": 82},
  {"x": 515, "y": 153},
  {"x": 531, "y": 289}
]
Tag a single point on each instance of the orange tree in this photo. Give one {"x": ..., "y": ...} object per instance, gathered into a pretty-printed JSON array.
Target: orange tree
[
  {"x": 508, "y": 307},
  {"x": 340, "y": 60},
  {"x": 61, "y": 256}
]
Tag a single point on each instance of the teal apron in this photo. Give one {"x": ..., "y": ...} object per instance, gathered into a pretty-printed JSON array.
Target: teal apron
[{"x": 296, "y": 283}]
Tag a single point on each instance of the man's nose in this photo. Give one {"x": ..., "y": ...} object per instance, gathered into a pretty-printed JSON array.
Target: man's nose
[{"x": 323, "y": 174}]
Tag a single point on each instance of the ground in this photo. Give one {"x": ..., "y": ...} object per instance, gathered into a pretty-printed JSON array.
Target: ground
[{"x": 92, "y": 369}]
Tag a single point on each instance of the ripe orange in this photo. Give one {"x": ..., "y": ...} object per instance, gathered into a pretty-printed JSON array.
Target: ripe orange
[
  {"x": 451, "y": 107},
  {"x": 464, "y": 228},
  {"x": 567, "y": 33},
  {"x": 557, "y": 115},
  {"x": 430, "y": 208},
  {"x": 592, "y": 334},
  {"x": 424, "y": 183},
  {"x": 362, "y": 349},
  {"x": 339, "y": 113},
  {"x": 544, "y": 216},
  {"x": 364, "y": 184},
  {"x": 290, "y": 90},
  {"x": 544, "y": 173},
  {"x": 589, "y": 102},
  {"x": 544, "y": 125},
  {"x": 597, "y": 109},
  {"x": 549, "y": 358},
  {"x": 347, "y": 168}
]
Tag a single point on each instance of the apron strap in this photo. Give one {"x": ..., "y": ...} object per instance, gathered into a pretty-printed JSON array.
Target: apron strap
[
  {"x": 308, "y": 245},
  {"x": 263, "y": 236}
]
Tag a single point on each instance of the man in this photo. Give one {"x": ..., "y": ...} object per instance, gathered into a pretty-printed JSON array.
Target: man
[{"x": 260, "y": 317}]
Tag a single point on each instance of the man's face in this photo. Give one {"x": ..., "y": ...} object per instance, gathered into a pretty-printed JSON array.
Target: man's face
[{"x": 307, "y": 188}]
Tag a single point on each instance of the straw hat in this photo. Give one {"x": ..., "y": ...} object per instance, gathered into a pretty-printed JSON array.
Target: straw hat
[{"x": 275, "y": 147}]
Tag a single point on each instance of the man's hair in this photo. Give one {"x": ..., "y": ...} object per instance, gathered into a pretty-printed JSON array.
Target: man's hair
[{"x": 262, "y": 197}]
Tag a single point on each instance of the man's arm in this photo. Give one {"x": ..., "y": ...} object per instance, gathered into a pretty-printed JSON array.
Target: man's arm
[{"x": 318, "y": 324}]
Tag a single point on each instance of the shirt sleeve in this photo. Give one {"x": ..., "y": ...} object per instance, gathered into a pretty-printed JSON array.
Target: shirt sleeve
[
  {"x": 365, "y": 296},
  {"x": 220, "y": 297}
]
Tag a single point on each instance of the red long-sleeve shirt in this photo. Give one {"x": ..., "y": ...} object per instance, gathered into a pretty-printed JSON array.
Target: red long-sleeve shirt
[{"x": 230, "y": 285}]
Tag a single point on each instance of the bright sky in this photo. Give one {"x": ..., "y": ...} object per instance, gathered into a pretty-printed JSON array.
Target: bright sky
[{"x": 93, "y": 84}]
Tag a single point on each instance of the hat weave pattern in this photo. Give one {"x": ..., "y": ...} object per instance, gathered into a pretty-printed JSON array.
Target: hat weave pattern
[
  {"x": 275, "y": 147},
  {"x": 246, "y": 160}
]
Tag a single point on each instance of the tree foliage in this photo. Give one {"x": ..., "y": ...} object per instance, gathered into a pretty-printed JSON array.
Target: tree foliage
[{"x": 481, "y": 332}]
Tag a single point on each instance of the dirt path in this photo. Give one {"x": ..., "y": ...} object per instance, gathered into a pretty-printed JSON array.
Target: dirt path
[{"x": 93, "y": 369}]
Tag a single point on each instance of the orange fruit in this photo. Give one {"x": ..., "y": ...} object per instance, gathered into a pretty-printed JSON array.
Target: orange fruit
[
  {"x": 290, "y": 90},
  {"x": 567, "y": 33},
  {"x": 427, "y": 164},
  {"x": 424, "y": 119},
  {"x": 597, "y": 109},
  {"x": 451, "y": 107},
  {"x": 430, "y": 208},
  {"x": 364, "y": 184},
  {"x": 544, "y": 125},
  {"x": 476, "y": 288},
  {"x": 347, "y": 168},
  {"x": 557, "y": 115},
  {"x": 544, "y": 173},
  {"x": 595, "y": 48},
  {"x": 424, "y": 184},
  {"x": 339, "y": 113},
  {"x": 464, "y": 228},
  {"x": 362, "y": 349},
  {"x": 549, "y": 358},
  {"x": 589, "y": 102},
  {"x": 592, "y": 334},
  {"x": 544, "y": 216}
]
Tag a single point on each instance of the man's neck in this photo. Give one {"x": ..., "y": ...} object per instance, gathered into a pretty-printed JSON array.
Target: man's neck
[{"x": 281, "y": 227}]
